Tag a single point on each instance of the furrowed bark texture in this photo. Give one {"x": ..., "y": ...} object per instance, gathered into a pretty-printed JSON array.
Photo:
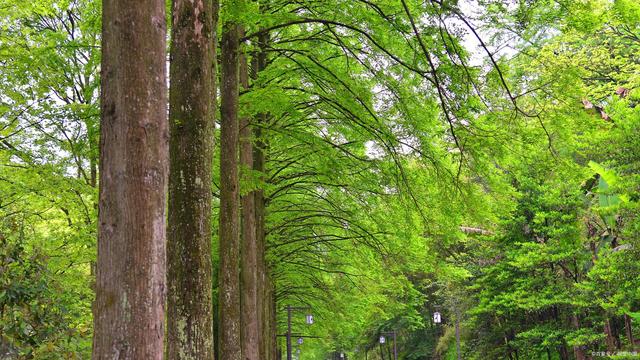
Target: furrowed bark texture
[
  {"x": 131, "y": 266},
  {"x": 229, "y": 276},
  {"x": 191, "y": 118},
  {"x": 249, "y": 253},
  {"x": 266, "y": 304}
]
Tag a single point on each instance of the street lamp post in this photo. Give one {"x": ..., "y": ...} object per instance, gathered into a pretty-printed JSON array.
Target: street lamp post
[
  {"x": 309, "y": 321},
  {"x": 383, "y": 340},
  {"x": 437, "y": 319}
]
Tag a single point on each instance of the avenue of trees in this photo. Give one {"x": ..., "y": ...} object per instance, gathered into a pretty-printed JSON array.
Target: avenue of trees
[{"x": 174, "y": 174}]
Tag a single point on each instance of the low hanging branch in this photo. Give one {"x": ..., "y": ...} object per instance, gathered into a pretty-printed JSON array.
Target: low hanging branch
[{"x": 475, "y": 231}]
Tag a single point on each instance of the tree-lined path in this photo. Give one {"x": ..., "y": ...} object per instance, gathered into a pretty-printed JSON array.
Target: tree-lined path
[{"x": 362, "y": 179}]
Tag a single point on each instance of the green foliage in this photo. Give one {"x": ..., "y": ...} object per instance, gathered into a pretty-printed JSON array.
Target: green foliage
[
  {"x": 49, "y": 51},
  {"x": 38, "y": 317},
  {"x": 379, "y": 155}
]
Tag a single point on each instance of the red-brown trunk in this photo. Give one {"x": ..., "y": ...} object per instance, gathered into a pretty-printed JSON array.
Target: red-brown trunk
[
  {"x": 249, "y": 258},
  {"x": 229, "y": 275},
  {"x": 131, "y": 271}
]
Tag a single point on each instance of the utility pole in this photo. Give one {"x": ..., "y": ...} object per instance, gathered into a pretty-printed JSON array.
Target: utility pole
[
  {"x": 457, "y": 310},
  {"x": 288, "y": 332},
  {"x": 395, "y": 346},
  {"x": 308, "y": 320}
]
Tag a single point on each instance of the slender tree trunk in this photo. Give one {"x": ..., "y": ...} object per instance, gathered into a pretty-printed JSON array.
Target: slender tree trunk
[
  {"x": 563, "y": 352},
  {"x": 629, "y": 331},
  {"x": 229, "y": 287},
  {"x": 131, "y": 267},
  {"x": 578, "y": 350},
  {"x": 272, "y": 324},
  {"x": 93, "y": 166},
  {"x": 612, "y": 338},
  {"x": 508, "y": 346},
  {"x": 191, "y": 115},
  {"x": 608, "y": 336},
  {"x": 249, "y": 259}
]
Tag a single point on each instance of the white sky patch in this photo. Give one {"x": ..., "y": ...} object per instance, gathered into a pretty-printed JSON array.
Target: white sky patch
[
  {"x": 373, "y": 150},
  {"x": 471, "y": 9}
]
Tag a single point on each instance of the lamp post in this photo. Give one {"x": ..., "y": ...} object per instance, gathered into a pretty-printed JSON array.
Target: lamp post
[
  {"x": 382, "y": 340},
  {"x": 308, "y": 320},
  {"x": 437, "y": 319}
]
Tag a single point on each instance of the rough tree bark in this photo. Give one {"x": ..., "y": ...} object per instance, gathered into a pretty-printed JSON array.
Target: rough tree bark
[
  {"x": 131, "y": 266},
  {"x": 229, "y": 276},
  {"x": 191, "y": 117},
  {"x": 265, "y": 300},
  {"x": 249, "y": 251}
]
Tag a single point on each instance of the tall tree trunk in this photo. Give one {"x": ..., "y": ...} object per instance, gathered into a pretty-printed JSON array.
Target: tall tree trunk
[
  {"x": 266, "y": 300},
  {"x": 229, "y": 278},
  {"x": 131, "y": 267},
  {"x": 249, "y": 253},
  {"x": 191, "y": 116}
]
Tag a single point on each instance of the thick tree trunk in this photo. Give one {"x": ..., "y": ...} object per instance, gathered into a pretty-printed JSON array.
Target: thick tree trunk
[
  {"x": 131, "y": 267},
  {"x": 191, "y": 115},
  {"x": 229, "y": 287},
  {"x": 249, "y": 259}
]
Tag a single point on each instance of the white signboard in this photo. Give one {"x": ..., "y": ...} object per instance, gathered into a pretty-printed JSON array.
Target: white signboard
[{"x": 437, "y": 318}]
